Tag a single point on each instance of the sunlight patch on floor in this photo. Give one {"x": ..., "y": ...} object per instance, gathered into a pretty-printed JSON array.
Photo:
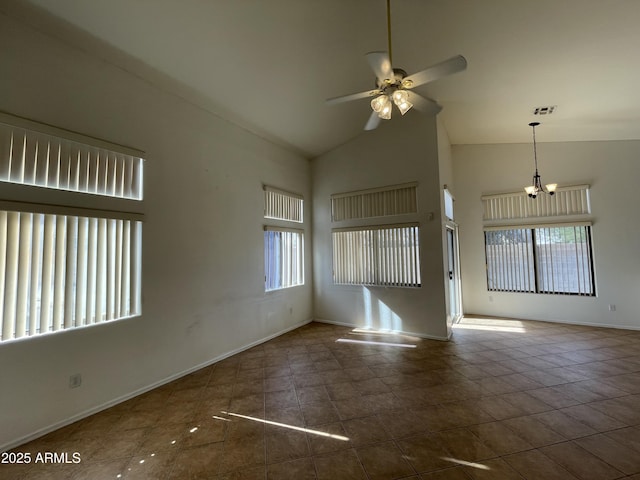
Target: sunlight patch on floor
[
  {"x": 490, "y": 324},
  {"x": 291, "y": 427},
  {"x": 370, "y": 342},
  {"x": 387, "y": 333},
  {"x": 466, "y": 464}
]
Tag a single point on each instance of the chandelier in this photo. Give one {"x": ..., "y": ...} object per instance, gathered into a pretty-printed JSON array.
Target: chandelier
[{"x": 533, "y": 190}]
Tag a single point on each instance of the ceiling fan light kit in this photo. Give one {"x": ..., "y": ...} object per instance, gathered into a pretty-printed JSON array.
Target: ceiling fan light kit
[
  {"x": 394, "y": 86},
  {"x": 533, "y": 190},
  {"x": 382, "y": 105}
]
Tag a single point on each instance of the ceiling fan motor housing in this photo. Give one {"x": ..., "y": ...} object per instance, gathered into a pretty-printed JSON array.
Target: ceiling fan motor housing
[{"x": 399, "y": 75}]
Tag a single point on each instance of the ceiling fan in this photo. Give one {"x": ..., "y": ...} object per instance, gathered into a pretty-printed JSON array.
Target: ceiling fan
[{"x": 393, "y": 86}]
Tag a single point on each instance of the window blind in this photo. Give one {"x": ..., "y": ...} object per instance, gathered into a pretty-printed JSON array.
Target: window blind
[
  {"x": 61, "y": 271},
  {"x": 377, "y": 255},
  {"x": 64, "y": 266},
  {"x": 33, "y": 158},
  {"x": 572, "y": 200},
  {"x": 555, "y": 259},
  {"x": 376, "y": 202},
  {"x": 282, "y": 205},
  {"x": 284, "y": 258}
]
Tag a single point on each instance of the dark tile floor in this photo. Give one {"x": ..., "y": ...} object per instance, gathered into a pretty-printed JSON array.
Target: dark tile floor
[{"x": 504, "y": 399}]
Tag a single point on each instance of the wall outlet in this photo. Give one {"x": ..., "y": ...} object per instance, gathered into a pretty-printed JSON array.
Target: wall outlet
[
  {"x": 75, "y": 380},
  {"x": 612, "y": 307}
]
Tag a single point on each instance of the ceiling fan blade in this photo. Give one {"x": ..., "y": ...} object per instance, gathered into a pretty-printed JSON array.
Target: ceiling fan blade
[
  {"x": 424, "y": 105},
  {"x": 381, "y": 65},
  {"x": 373, "y": 122},
  {"x": 353, "y": 96},
  {"x": 448, "y": 67}
]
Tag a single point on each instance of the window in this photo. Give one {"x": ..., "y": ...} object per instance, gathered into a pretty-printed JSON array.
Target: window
[
  {"x": 283, "y": 258},
  {"x": 375, "y": 202},
  {"x": 63, "y": 266},
  {"x": 283, "y": 246},
  {"x": 34, "y": 158},
  {"x": 377, "y": 255},
  {"x": 540, "y": 259},
  {"x": 281, "y": 205}
]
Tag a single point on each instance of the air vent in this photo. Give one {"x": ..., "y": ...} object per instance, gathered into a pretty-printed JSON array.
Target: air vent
[{"x": 544, "y": 110}]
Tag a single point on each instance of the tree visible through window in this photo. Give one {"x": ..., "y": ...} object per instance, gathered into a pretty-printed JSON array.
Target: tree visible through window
[{"x": 546, "y": 259}]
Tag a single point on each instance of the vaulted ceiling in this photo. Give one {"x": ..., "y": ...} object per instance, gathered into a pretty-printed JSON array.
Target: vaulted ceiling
[{"x": 269, "y": 65}]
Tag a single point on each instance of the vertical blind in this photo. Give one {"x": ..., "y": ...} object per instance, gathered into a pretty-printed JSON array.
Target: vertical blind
[
  {"x": 33, "y": 158},
  {"x": 284, "y": 258},
  {"x": 541, "y": 259},
  {"x": 61, "y": 271},
  {"x": 571, "y": 200},
  {"x": 376, "y": 202},
  {"x": 377, "y": 255},
  {"x": 281, "y": 205}
]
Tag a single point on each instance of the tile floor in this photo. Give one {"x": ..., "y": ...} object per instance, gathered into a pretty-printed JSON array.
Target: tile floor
[{"x": 503, "y": 400}]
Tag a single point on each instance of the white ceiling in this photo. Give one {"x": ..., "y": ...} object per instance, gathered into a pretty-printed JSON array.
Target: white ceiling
[{"x": 269, "y": 65}]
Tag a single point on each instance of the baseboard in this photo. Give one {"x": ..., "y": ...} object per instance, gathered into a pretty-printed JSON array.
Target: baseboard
[
  {"x": 391, "y": 332},
  {"x": 129, "y": 396}
]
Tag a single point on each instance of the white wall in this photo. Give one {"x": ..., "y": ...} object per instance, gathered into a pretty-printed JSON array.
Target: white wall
[
  {"x": 203, "y": 266},
  {"x": 402, "y": 150},
  {"x": 612, "y": 170}
]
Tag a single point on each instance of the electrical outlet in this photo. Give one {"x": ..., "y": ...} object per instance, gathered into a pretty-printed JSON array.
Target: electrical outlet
[{"x": 75, "y": 380}]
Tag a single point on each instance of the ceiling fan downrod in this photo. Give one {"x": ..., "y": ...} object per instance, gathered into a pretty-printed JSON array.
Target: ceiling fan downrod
[{"x": 389, "y": 30}]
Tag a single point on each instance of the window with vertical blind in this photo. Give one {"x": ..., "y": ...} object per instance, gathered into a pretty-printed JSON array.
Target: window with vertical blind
[
  {"x": 284, "y": 258},
  {"x": 283, "y": 246},
  {"x": 377, "y": 255},
  {"x": 282, "y": 205},
  {"x": 375, "y": 202},
  {"x": 64, "y": 266},
  {"x": 29, "y": 157},
  {"x": 554, "y": 259}
]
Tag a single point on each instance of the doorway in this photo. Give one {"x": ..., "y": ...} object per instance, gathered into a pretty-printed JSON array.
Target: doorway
[{"x": 454, "y": 292}]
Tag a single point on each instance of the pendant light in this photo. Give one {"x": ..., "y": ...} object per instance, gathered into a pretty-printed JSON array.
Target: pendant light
[{"x": 533, "y": 190}]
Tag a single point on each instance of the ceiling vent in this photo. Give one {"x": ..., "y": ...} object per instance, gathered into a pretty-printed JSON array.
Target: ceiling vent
[{"x": 544, "y": 110}]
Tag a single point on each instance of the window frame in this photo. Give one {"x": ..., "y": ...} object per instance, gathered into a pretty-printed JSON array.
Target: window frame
[
  {"x": 285, "y": 212},
  {"x": 534, "y": 269},
  {"x": 289, "y": 260}
]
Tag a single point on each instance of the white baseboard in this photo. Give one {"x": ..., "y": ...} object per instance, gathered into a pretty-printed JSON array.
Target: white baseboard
[{"x": 129, "y": 396}]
